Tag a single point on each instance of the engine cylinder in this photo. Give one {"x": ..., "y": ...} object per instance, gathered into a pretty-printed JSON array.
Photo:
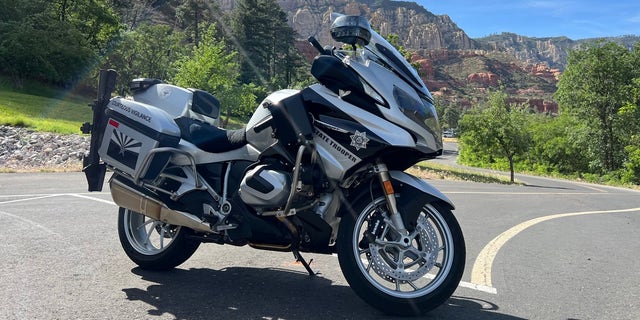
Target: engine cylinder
[{"x": 264, "y": 187}]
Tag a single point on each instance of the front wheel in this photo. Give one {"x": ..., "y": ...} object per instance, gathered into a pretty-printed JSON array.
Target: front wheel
[
  {"x": 153, "y": 244},
  {"x": 401, "y": 274}
]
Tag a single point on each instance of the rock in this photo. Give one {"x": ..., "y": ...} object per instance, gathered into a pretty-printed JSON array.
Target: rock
[
  {"x": 23, "y": 149},
  {"x": 487, "y": 79},
  {"x": 416, "y": 26}
]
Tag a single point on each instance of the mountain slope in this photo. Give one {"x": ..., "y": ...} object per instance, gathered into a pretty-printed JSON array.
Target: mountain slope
[
  {"x": 552, "y": 51},
  {"x": 453, "y": 65}
]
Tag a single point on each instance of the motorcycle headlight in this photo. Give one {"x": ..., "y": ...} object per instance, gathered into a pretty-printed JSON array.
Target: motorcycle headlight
[{"x": 421, "y": 111}]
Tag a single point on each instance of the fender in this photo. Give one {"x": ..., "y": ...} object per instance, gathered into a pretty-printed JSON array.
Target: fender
[
  {"x": 414, "y": 188},
  {"x": 414, "y": 182}
]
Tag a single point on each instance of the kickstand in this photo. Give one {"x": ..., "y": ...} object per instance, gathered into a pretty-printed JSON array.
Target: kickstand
[{"x": 300, "y": 259}]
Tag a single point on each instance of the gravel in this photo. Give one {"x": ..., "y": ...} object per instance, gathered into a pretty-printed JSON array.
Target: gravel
[{"x": 25, "y": 150}]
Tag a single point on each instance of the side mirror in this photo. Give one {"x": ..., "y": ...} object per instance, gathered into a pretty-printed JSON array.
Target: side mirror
[{"x": 353, "y": 30}]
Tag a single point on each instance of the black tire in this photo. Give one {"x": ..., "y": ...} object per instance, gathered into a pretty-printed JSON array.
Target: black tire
[
  {"x": 369, "y": 269},
  {"x": 152, "y": 244}
]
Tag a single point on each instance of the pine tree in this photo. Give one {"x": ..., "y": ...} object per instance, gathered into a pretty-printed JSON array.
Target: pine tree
[
  {"x": 195, "y": 16},
  {"x": 266, "y": 43}
]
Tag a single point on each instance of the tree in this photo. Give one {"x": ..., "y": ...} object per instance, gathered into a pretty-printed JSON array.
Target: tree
[
  {"x": 147, "y": 52},
  {"x": 559, "y": 144},
  {"x": 498, "y": 130},
  {"x": 42, "y": 49},
  {"x": 448, "y": 112},
  {"x": 55, "y": 42},
  {"x": 595, "y": 85},
  {"x": 194, "y": 17},
  {"x": 96, "y": 21},
  {"x": 629, "y": 117},
  {"x": 134, "y": 13},
  {"x": 266, "y": 44},
  {"x": 212, "y": 68}
]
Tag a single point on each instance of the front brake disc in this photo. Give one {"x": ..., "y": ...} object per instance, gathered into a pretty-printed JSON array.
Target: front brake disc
[{"x": 394, "y": 262}]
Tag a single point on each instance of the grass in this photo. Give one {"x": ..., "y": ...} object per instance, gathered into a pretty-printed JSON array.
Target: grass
[
  {"x": 434, "y": 170},
  {"x": 49, "y": 110},
  {"x": 43, "y": 109},
  {"x": 46, "y": 109}
]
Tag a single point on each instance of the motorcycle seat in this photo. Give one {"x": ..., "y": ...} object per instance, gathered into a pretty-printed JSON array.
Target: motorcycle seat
[{"x": 210, "y": 138}]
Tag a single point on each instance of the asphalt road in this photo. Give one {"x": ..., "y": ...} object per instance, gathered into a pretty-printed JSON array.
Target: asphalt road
[{"x": 547, "y": 250}]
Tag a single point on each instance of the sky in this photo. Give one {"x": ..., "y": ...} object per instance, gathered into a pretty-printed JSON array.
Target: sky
[{"x": 576, "y": 19}]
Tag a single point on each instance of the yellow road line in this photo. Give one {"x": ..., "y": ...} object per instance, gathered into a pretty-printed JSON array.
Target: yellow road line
[{"x": 481, "y": 272}]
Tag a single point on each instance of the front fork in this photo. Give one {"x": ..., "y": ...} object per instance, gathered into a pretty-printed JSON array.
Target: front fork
[{"x": 381, "y": 170}]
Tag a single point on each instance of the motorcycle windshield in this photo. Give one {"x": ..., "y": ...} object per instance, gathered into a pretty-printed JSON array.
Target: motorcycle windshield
[
  {"x": 386, "y": 54},
  {"x": 381, "y": 51}
]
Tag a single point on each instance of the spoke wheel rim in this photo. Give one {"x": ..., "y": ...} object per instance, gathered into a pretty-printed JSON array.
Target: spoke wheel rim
[
  {"x": 409, "y": 270},
  {"x": 148, "y": 236}
]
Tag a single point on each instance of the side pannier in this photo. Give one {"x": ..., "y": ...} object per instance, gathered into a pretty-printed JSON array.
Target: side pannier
[{"x": 132, "y": 131}]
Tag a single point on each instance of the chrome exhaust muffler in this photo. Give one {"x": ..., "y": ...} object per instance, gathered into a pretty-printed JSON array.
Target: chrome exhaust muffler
[{"x": 129, "y": 198}]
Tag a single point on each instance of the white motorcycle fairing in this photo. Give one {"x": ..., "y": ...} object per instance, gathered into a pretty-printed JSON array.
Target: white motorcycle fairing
[{"x": 318, "y": 170}]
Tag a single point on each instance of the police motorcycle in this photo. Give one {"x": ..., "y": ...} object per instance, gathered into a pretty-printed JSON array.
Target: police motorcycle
[{"x": 319, "y": 170}]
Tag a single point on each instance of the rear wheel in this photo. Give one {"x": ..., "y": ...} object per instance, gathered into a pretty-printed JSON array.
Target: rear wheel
[
  {"x": 401, "y": 274},
  {"x": 153, "y": 244}
]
